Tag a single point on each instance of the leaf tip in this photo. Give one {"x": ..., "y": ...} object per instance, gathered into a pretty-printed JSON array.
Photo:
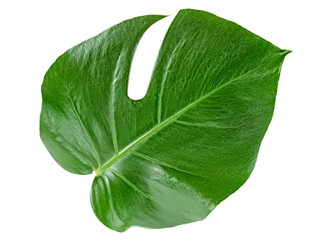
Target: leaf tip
[{"x": 285, "y": 52}]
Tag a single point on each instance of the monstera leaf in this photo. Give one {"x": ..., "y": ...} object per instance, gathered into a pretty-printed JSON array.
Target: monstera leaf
[{"x": 193, "y": 140}]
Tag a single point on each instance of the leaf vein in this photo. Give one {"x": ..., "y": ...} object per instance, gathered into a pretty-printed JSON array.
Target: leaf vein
[
  {"x": 130, "y": 183},
  {"x": 112, "y": 111},
  {"x": 162, "y": 88},
  {"x": 151, "y": 159},
  {"x": 89, "y": 139}
]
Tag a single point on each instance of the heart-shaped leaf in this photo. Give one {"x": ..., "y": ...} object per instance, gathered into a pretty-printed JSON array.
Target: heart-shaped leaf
[{"x": 193, "y": 140}]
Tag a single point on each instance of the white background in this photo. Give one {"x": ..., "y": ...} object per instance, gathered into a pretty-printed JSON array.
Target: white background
[{"x": 287, "y": 195}]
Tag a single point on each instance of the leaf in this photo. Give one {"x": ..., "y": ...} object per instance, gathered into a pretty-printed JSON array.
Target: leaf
[{"x": 173, "y": 156}]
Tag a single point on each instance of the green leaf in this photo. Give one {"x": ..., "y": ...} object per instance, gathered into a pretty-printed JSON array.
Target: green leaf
[{"x": 173, "y": 156}]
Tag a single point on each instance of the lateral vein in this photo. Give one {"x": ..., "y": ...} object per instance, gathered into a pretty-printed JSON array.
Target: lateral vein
[
  {"x": 161, "y": 93},
  {"x": 89, "y": 139},
  {"x": 112, "y": 111},
  {"x": 153, "y": 160},
  {"x": 130, "y": 183}
]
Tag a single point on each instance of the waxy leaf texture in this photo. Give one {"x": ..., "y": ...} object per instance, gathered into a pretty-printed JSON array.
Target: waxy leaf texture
[{"x": 173, "y": 156}]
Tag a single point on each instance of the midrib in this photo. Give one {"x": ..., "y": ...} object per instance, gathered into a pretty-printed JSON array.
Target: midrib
[
  {"x": 156, "y": 129},
  {"x": 169, "y": 120}
]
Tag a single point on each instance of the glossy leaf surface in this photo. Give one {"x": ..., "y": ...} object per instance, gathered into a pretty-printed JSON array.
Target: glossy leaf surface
[{"x": 193, "y": 140}]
